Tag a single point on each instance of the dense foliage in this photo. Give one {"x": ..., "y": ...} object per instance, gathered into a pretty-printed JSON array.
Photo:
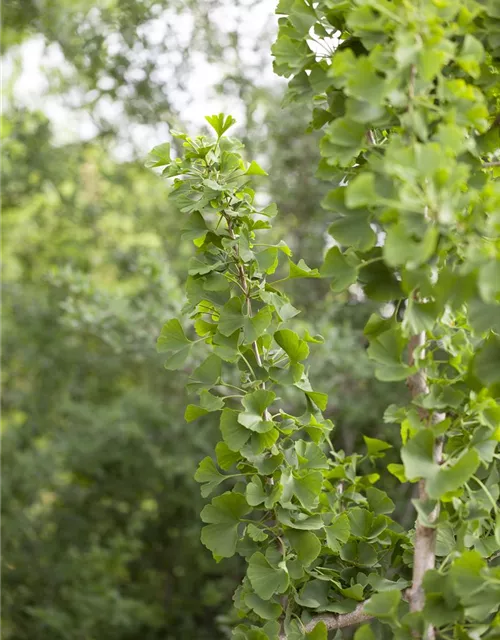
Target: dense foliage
[{"x": 407, "y": 97}]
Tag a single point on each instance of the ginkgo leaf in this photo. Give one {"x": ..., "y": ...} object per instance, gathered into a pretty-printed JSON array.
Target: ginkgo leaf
[
  {"x": 173, "y": 341},
  {"x": 209, "y": 475},
  {"x": 264, "y": 578},
  {"x": 223, "y": 516},
  {"x": 255, "y": 404}
]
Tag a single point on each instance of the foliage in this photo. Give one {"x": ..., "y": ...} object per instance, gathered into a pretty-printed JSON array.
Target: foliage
[{"x": 408, "y": 103}]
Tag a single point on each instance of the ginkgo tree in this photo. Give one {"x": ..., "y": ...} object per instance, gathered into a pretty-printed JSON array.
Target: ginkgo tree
[{"x": 407, "y": 94}]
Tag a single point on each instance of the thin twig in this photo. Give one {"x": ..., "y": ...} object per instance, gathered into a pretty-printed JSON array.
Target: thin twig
[
  {"x": 371, "y": 137},
  {"x": 246, "y": 290},
  {"x": 337, "y": 621}
]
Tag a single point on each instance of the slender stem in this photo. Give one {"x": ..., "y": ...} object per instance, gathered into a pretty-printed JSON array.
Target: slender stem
[
  {"x": 280, "y": 280},
  {"x": 424, "y": 557},
  {"x": 248, "y": 365},
  {"x": 371, "y": 261},
  {"x": 231, "y": 386},
  {"x": 371, "y": 137},
  {"x": 246, "y": 290},
  {"x": 486, "y": 491}
]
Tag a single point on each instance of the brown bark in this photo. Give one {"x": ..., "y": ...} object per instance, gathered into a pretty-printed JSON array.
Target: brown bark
[{"x": 337, "y": 621}]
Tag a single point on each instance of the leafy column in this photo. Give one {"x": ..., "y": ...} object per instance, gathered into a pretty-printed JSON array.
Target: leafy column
[
  {"x": 407, "y": 95},
  {"x": 314, "y": 531}
]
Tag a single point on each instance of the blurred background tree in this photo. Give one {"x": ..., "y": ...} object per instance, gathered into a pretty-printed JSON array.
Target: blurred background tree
[{"x": 100, "y": 510}]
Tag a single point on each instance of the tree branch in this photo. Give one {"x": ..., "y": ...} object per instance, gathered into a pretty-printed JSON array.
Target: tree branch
[
  {"x": 337, "y": 621},
  {"x": 495, "y": 163},
  {"x": 424, "y": 556}
]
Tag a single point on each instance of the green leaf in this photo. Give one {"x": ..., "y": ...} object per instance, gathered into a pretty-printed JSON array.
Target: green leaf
[
  {"x": 360, "y": 192},
  {"x": 341, "y": 268},
  {"x": 418, "y": 459},
  {"x": 483, "y": 317},
  {"x": 364, "y": 633},
  {"x": 346, "y": 133},
  {"x": 199, "y": 266},
  {"x": 420, "y": 316},
  {"x": 233, "y": 433},
  {"x": 386, "y": 349},
  {"x": 418, "y": 456},
  {"x": 254, "y": 327},
  {"x": 206, "y": 375},
  {"x": 360, "y": 521},
  {"x": 193, "y": 412},
  {"x": 257, "y": 495},
  {"x": 379, "y": 501},
  {"x": 379, "y": 282},
  {"x": 365, "y": 83},
  {"x": 317, "y": 339},
  {"x": 313, "y": 594},
  {"x": 465, "y": 573},
  {"x": 355, "y": 592},
  {"x": 233, "y": 317},
  {"x": 450, "y": 478},
  {"x": 283, "y": 308},
  {"x": 489, "y": 281},
  {"x": 257, "y": 535},
  {"x": 383, "y": 605},
  {"x": 263, "y": 608},
  {"x": 220, "y": 123},
  {"x": 305, "y": 486},
  {"x": 209, "y": 402},
  {"x": 268, "y": 260},
  {"x": 196, "y": 228},
  {"x": 376, "y": 326},
  {"x": 270, "y": 211},
  {"x": 310, "y": 455},
  {"x": 375, "y": 446},
  {"x": 159, "y": 156},
  {"x": 319, "y": 632},
  {"x": 360, "y": 553},
  {"x": 486, "y": 362},
  {"x": 172, "y": 340},
  {"x": 290, "y": 342},
  {"x": 226, "y": 347},
  {"x": 223, "y": 515},
  {"x": 471, "y": 56},
  {"x": 208, "y": 474},
  {"x": 290, "y": 55},
  {"x": 302, "y": 16},
  {"x": 301, "y": 270},
  {"x": 338, "y": 532},
  {"x": 398, "y": 471},
  {"x": 225, "y": 457},
  {"x": 265, "y": 579},
  {"x": 299, "y": 520},
  {"x": 399, "y": 249},
  {"x": 255, "y": 404},
  {"x": 243, "y": 632},
  {"x": 353, "y": 231},
  {"x": 305, "y": 544},
  {"x": 255, "y": 170}
]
